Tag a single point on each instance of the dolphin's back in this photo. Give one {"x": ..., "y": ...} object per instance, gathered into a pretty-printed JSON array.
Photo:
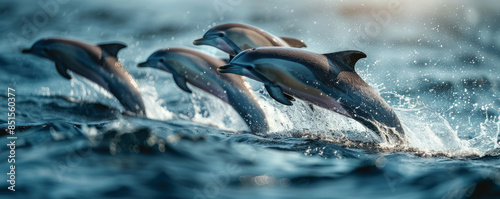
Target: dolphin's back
[{"x": 317, "y": 63}]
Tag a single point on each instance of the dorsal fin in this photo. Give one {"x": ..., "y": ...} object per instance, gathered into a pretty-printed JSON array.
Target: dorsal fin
[
  {"x": 112, "y": 48},
  {"x": 348, "y": 58},
  {"x": 293, "y": 42}
]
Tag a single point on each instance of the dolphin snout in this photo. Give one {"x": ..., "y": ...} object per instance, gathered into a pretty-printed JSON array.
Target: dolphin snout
[
  {"x": 26, "y": 50},
  {"x": 225, "y": 68},
  {"x": 200, "y": 41},
  {"x": 143, "y": 64}
]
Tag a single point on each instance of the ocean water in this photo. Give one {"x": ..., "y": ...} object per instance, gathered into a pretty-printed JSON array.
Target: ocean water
[{"x": 434, "y": 62}]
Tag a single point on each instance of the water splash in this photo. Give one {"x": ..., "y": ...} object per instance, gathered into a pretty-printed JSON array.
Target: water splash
[
  {"x": 153, "y": 103},
  {"x": 487, "y": 140},
  {"x": 213, "y": 111},
  {"x": 430, "y": 132}
]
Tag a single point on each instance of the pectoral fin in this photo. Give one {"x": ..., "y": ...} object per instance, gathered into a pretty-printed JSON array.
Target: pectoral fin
[
  {"x": 273, "y": 89},
  {"x": 63, "y": 71},
  {"x": 276, "y": 93},
  {"x": 181, "y": 82}
]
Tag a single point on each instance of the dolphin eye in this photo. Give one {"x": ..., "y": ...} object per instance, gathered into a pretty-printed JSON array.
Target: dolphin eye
[
  {"x": 162, "y": 60},
  {"x": 45, "y": 49},
  {"x": 248, "y": 67},
  {"x": 221, "y": 34}
]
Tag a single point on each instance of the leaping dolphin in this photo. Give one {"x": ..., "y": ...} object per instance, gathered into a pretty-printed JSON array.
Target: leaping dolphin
[
  {"x": 200, "y": 70},
  {"x": 96, "y": 63},
  {"x": 326, "y": 80},
  {"x": 233, "y": 38}
]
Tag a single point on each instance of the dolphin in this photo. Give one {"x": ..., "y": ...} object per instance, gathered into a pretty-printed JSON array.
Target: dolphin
[
  {"x": 96, "y": 63},
  {"x": 233, "y": 38},
  {"x": 326, "y": 80},
  {"x": 200, "y": 70}
]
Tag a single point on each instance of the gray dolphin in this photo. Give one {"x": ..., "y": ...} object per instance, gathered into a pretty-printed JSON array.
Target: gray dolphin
[
  {"x": 200, "y": 70},
  {"x": 233, "y": 38},
  {"x": 326, "y": 80},
  {"x": 96, "y": 63}
]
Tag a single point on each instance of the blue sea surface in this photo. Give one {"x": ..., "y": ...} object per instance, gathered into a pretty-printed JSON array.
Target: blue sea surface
[{"x": 434, "y": 62}]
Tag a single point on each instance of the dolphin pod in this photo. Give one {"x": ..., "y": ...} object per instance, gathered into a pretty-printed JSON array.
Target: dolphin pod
[
  {"x": 96, "y": 63},
  {"x": 326, "y": 80},
  {"x": 200, "y": 70}
]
